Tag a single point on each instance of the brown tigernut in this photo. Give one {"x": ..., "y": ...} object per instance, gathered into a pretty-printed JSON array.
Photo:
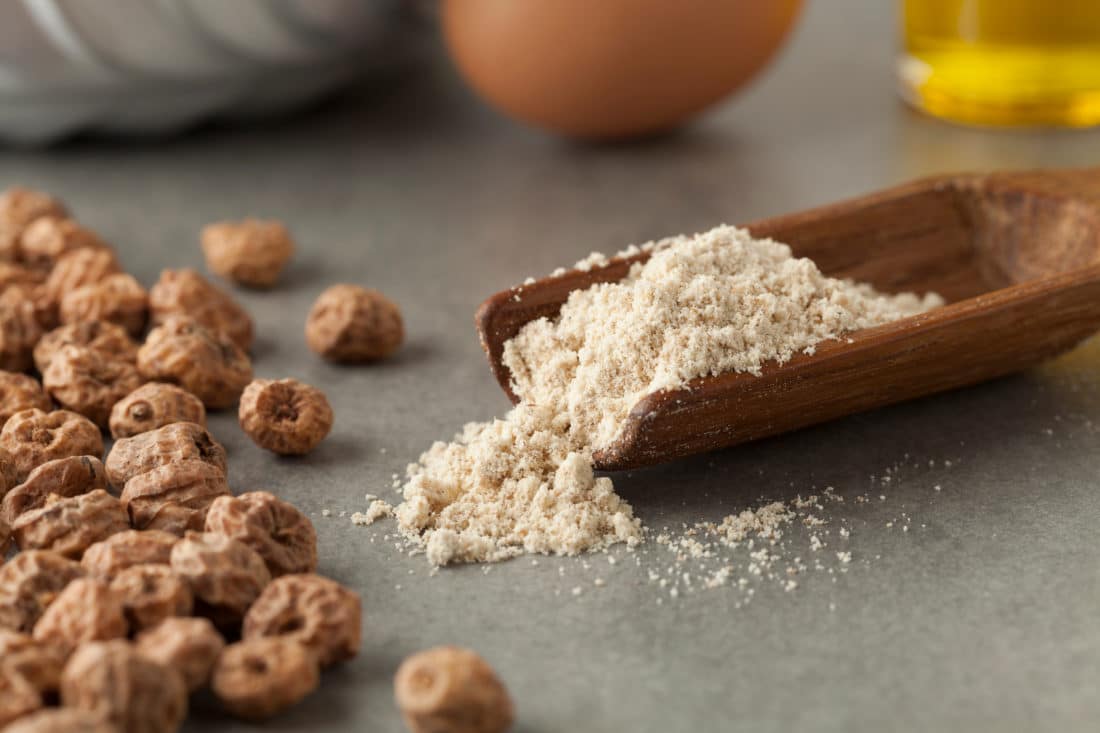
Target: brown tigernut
[
  {"x": 61, "y": 720},
  {"x": 47, "y": 238},
  {"x": 86, "y": 610},
  {"x": 78, "y": 268},
  {"x": 111, "y": 680},
  {"x": 70, "y": 476},
  {"x": 117, "y": 298},
  {"x": 174, "y": 497},
  {"x": 18, "y": 208},
  {"x": 206, "y": 363},
  {"x": 225, "y": 575},
  {"x": 20, "y": 392},
  {"x": 285, "y": 416},
  {"x": 29, "y": 582},
  {"x": 278, "y": 530},
  {"x": 40, "y": 663},
  {"x": 449, "y": 689},
  {"x": 318, "y": 613},
  {"x": 110, "y": 338},
  {"x": 178, "y": 441},
  {"x": 189, "y": 645},
  {"x": 110, "y": 557},
  {"x": 186, "y": 292},
  {"x": 90, "y": 381},
  {"x": 33, "y": 437},
  {"x": 69, "y": 525},
  {"x": 259, "y": 678},
  {"x": 5, "y": 536},
  {"x": 153, "y": 406},
  {"x": 12, "y": 274},
  {"x": 18, "y": 697},
  {"x": 351, "y": 324},
  {"x": 251, "y": 252},
  {"x": 20, "y": 328},
  {"x": 152, "y": 593}
]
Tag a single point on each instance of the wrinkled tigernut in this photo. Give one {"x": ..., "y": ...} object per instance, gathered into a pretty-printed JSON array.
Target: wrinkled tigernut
[
  {"x": 78, "y": 268},
  {"x": 18, "y": 208},
  {"x": 69, "y": 525},
  {"x": 86, "y": 610},
  {"x": 124, "y": 550},
  {"x": 33, "y": 437},
  {"x": 206, "y": 363},
  {"x": 186, "y": 292},
  {"x": 110, "y": 338},
  {"x": 116, "y": 298},
  {"x": 318, "y": 613},
  {"x": 178, "y": 441},
  {"x": 174, "y": 497},
  {"x": 285, "y": 416},
  {"x": 47, "y": 238},
  {"x": 20, "y": 328},
  {"x": 18, "y": 697},
  {"x": 251, "y": 252},
  {"x": 13, "y": 275},
  {"x": 449, "y": 689},
  {"x": 70, "y": 476},
  {"x": 90, "y": 381},
  {"x": 351, "y": 324},
  {"x": 39, "y": 663},
  {"x": 282, "y": 535},
  {"x": 259, "y": 678},
  {"x": 20, "y": 392},
  {"x": 29, "y": 582},
  {"x": 111, "y": 680},
  {"x": 61, "y": 720},
  {"x": 150, "y": 594},
  {"x": 190, "y": 646},
  {"x": 153, "y": 406},
  {"x": 225, "y": 575}
]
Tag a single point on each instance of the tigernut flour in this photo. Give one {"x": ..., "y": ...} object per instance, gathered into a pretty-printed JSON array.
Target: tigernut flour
[{"x": 715, "y": 302}]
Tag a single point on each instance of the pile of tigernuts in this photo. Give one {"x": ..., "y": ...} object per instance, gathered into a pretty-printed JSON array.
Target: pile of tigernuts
[{"x": 141, "y": 578}]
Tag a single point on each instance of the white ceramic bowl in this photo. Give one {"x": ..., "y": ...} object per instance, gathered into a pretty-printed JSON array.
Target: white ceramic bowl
[{"x": 155, "y": 66}]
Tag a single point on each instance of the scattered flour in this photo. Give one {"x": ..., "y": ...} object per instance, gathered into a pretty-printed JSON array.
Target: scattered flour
[{"x": 717, "y": 302}]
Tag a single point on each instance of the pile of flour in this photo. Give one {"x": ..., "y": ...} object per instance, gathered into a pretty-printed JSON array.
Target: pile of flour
[{"x": 716, "y": 302}]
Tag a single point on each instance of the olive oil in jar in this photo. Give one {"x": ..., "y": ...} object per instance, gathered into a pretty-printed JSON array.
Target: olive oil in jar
[{"x": 1003, "y": 62}]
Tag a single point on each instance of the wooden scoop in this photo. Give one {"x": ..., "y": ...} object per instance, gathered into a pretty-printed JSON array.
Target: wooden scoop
[{"x": 1016, "y": 255}]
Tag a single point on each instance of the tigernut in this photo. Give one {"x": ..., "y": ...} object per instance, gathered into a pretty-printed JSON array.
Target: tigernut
[
  {"x": 69, "y": 525},
  {"x": 116, "y": 298},
  {"x": 153, "y": 406},
  {"x": 285, "y": 416},
  {"x": 225, "y": 575},
  {"x": 251, "y": 252},
  {"x": 18, "y": 208},
  {"x": 70, "y": 476},
  {"x": 204, "y": 362},
  {"x": 29, "y": 582},
  {"x": 110, "y": 338},
  {"x": 318, "y": 613},
  {"x": 258, "y": 678},
  {"x": 451, "y": 690},
  {"x": 89, "y": 381},
  {"x": 178, "y": 441},
  {"x": 108, "y": 558},
  {"x": 186, "y": 292},
  {"x": 174, "y": 497},
  {"x": 282, "y": 535},
  {"x": 86, "y": 610},
  {"x": 150, "y": 594},
  {"x": 20, "y": 392},
  {"x": 351, "y": 324},
  {"x": 47, "y": 238},
  {"x": 188, "y": 645},
  {"x": 33, "y": 437}
]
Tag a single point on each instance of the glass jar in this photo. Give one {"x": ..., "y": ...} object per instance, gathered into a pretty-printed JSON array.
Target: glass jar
[{"x": 1003, "y": 62}]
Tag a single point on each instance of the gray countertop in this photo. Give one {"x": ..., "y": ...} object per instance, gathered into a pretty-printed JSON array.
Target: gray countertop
[{"x": 972, "y": 607}]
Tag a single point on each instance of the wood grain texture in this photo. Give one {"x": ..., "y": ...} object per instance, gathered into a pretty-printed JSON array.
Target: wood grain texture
[{"x": 1017, "y": 256}]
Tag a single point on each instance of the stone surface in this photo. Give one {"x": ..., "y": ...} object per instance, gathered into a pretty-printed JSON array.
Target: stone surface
[{"x": 983, "y": 620}]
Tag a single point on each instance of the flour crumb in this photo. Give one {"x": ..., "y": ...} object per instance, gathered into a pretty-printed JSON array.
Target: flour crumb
[{"x": 377, "y": 509}]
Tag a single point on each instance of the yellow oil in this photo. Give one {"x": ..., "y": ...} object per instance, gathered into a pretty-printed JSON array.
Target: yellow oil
[{"x": 1003, "y": 62}]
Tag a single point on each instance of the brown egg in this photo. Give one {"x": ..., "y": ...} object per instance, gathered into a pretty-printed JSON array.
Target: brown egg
[{"x": 612, "y": 68}]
